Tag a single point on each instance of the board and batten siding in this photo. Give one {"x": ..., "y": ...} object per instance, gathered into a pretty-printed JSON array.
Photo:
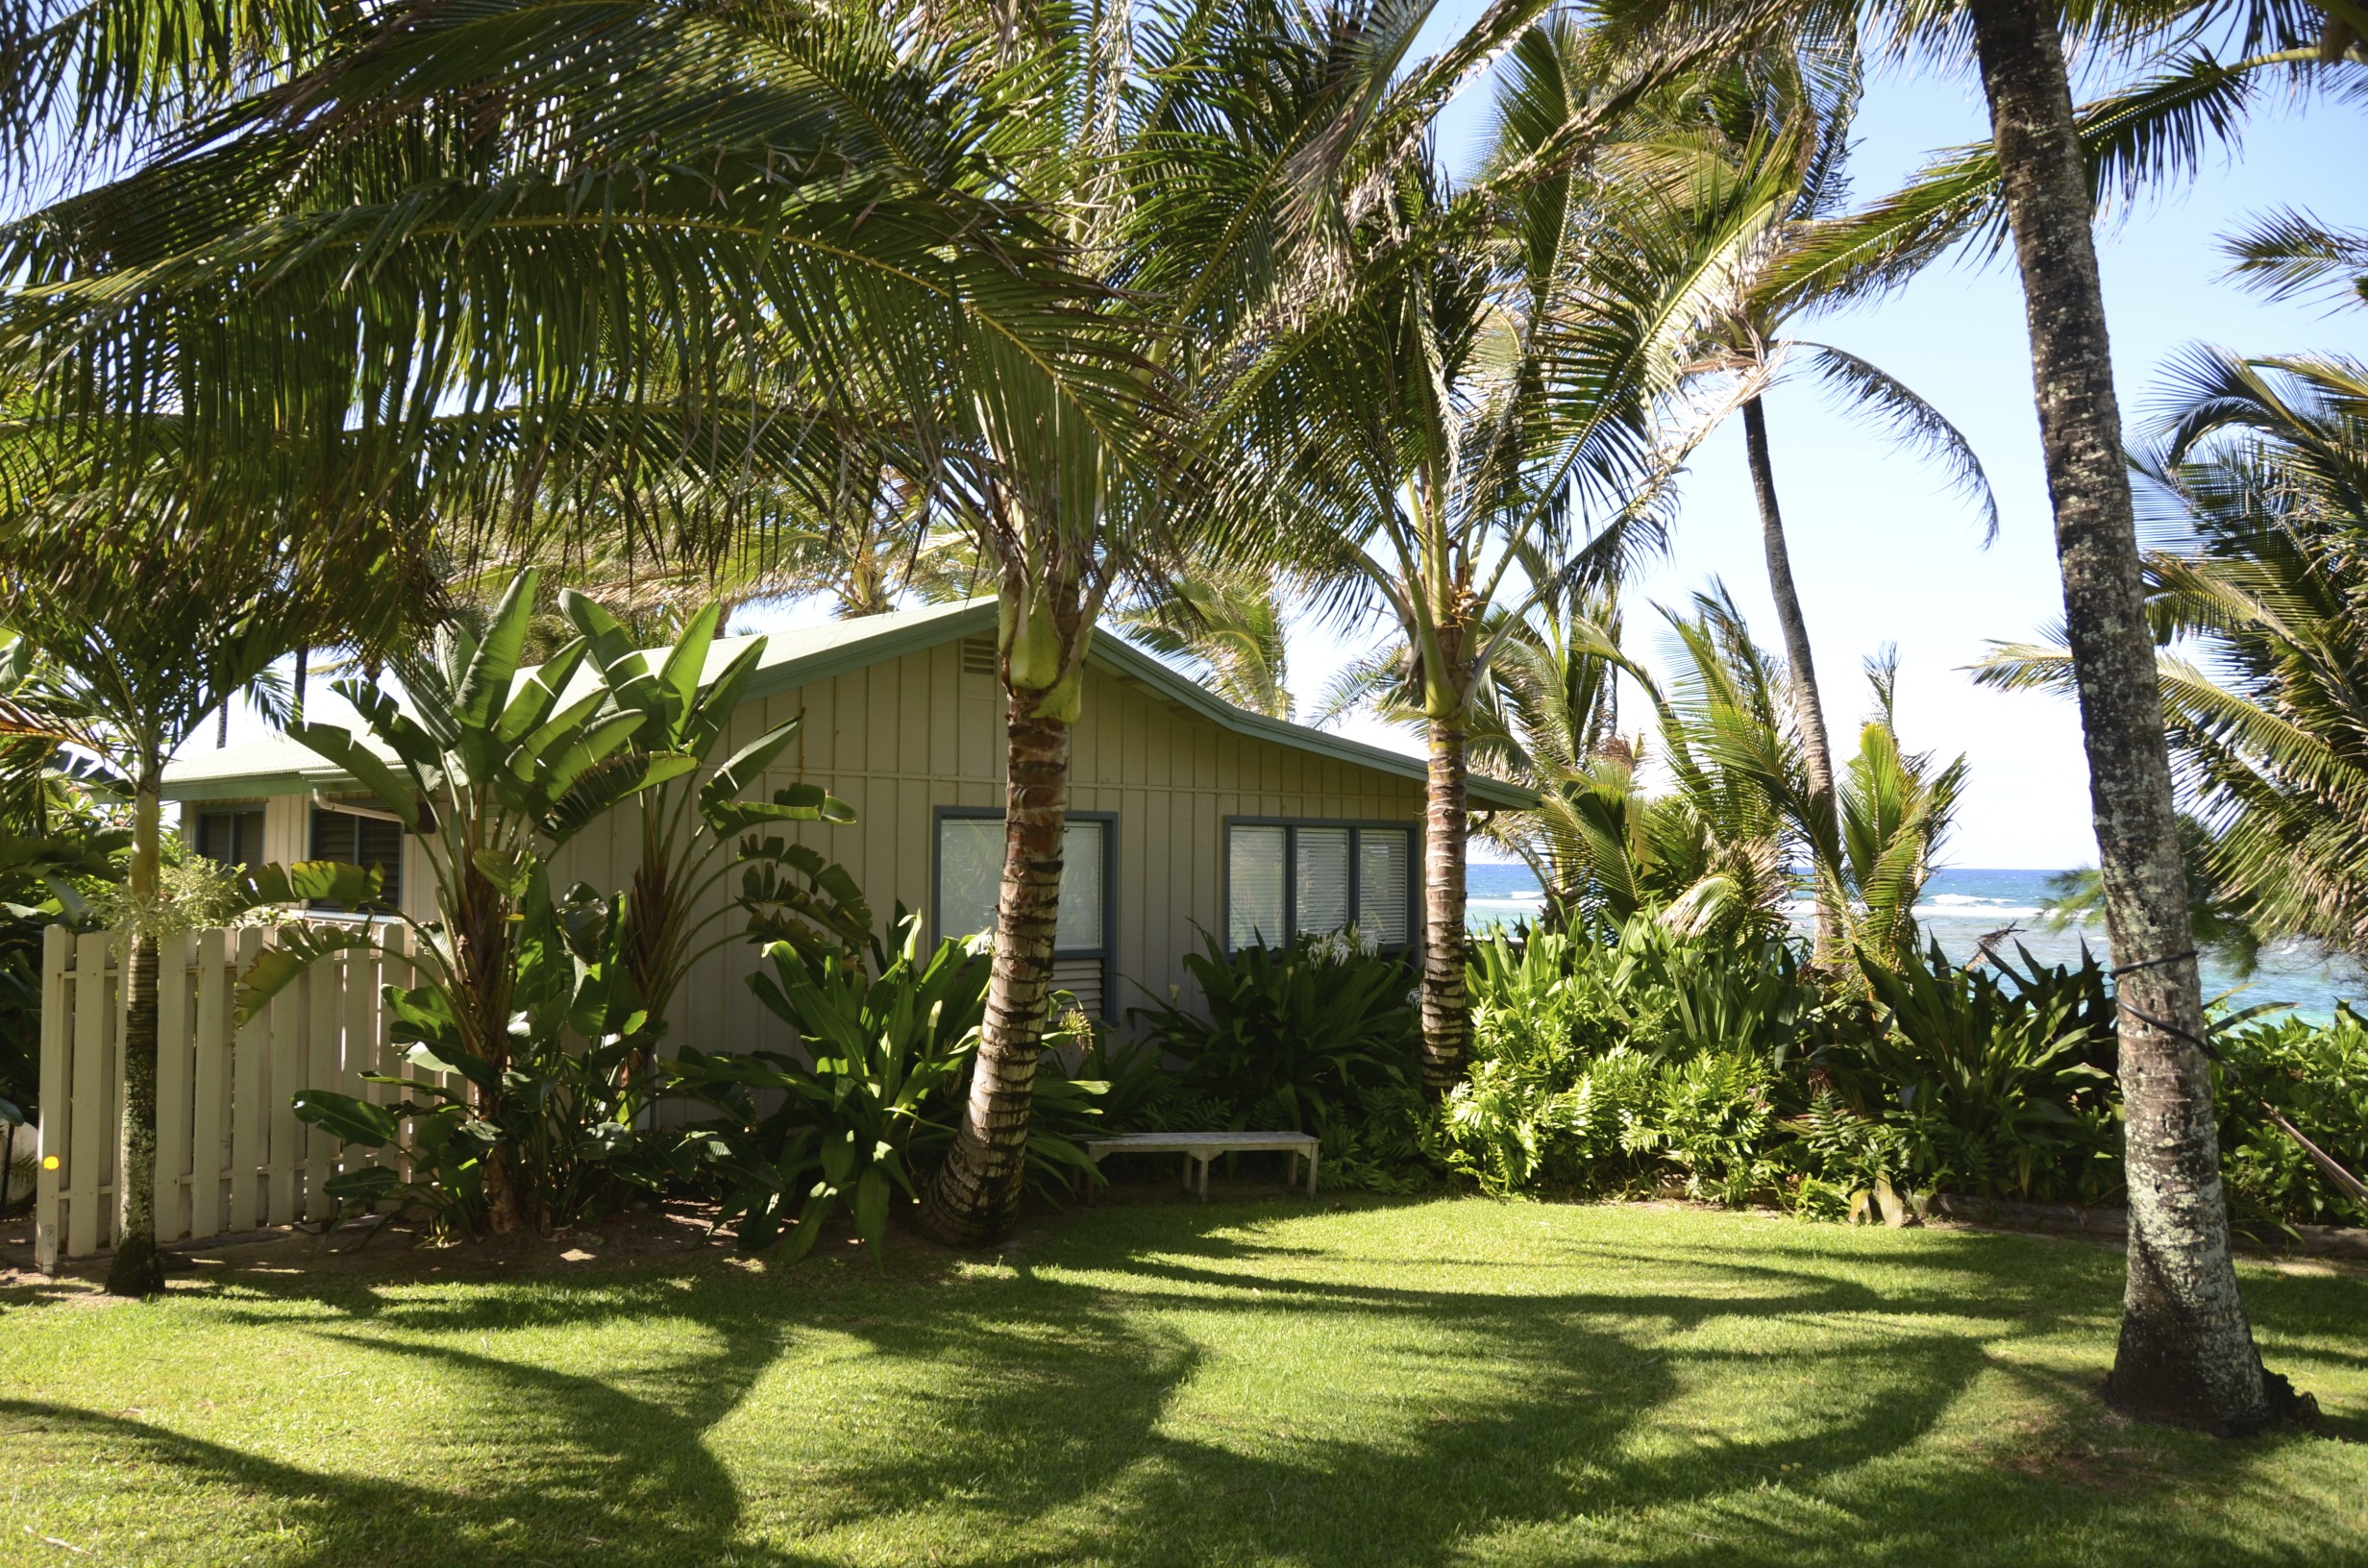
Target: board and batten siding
[{"x": 898, "y": 739}]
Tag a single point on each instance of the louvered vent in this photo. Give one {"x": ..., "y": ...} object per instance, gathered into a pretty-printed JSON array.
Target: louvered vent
[{"x": 979, "y": 656}]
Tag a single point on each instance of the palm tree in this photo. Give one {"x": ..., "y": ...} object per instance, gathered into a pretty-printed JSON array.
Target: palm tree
[
  {"x": 2290, "y": 253},
  {"x": 1492, "y": 395},
  {"x": 1241, "y": 226},
  {"x": 664, "y": 251},
  {"x": 1226, "y": 625},
  {"x": 148, "y": 625},
  {"x": 1712, "y": 854},
  {"x": 1802, "y": 142},
  {"x": 2187, "y": 1351},
  {"x": 667, "y": 249}
]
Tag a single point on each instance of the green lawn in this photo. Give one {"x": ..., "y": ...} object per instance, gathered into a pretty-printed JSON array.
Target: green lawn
[{"x": 1450, "y": 1382}]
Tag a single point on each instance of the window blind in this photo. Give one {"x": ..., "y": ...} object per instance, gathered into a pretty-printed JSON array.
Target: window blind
[
  {"x": 1320, "y": 880},
  {"x": 1255, "y": 865},
  {"x": 1383, "y": 857}
]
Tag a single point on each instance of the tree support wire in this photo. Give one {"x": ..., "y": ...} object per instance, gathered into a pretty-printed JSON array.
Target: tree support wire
[{"x": 2349, "y": 1184}]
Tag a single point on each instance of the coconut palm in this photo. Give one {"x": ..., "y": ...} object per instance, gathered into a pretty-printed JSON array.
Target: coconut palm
[
  {"x": 1800, "y": 135},
  {"x": 670, "y": 242},
  {"x": 1225, "y": 624},
  {"x": 1497, "y": 400},
  {"x": 1247, "y": 229},
  {"x": 667, "y": 237},
  {"x": 2187, "y": 1352},
  {"x": 1715, "y": 852},
  {"x": 2290, "y": 253}
]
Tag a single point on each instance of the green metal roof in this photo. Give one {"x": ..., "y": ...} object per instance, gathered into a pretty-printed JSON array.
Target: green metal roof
[{"x": 807, "y": 654}]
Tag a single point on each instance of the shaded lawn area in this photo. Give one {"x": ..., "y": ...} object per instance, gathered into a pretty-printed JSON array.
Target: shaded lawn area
[{"x": 1256, "y": 1382}]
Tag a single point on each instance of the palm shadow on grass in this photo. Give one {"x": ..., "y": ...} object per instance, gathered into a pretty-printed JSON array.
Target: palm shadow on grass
[{"x": 1054, "y": 1414}]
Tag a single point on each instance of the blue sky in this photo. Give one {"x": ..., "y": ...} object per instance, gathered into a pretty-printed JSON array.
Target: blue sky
[{"x": 1881, "y": 551}]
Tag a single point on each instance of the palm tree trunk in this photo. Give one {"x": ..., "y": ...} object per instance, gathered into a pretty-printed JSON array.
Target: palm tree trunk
[
  {"x": 1807, "y": 705},
  {"x": 1446, "y": 825},
  {"x": 976, "y": 1194},
  {"x": 2187, "y": 1352},
  {"x": 137, "y": 1270},
  {"x": 296, "y": 687}
]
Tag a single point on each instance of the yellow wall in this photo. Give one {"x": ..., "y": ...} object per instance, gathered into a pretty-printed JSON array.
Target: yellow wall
[{"x": 900, "y": 738}]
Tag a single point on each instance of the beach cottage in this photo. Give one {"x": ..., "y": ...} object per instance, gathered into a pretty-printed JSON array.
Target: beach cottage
[{"x": 1187, "y": 814}]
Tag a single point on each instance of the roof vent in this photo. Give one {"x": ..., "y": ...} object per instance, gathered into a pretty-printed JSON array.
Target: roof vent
[{"x": 979, "y": 656}]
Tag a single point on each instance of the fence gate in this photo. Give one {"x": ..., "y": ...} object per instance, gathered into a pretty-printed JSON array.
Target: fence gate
[{"x": 231, "y": 1155}]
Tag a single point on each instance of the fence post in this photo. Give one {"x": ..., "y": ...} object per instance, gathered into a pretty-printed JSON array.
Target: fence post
[
  {"x": 90, "y": 1136},
  {"x": 362, "y": 1041},
  {"x": 50, "y": 1140},
  {"x": 175, "y": 1115},
  {"x": 247, "y": 1149},
  {"x": 322, "y": 1026},
  {"x": 212, "y": 1129},
  {"x": 282, "y": 1076}
]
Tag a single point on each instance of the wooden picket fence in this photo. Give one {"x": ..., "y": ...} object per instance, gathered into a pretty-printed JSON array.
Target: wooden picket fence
[{"x": 231, "y": 1155}]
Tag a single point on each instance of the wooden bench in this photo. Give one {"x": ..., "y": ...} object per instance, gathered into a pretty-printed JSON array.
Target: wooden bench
[{"x": 1200, "y": 1149}]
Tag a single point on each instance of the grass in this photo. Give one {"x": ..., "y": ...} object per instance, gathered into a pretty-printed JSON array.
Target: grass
[{"x": 1445, "y": 1381}]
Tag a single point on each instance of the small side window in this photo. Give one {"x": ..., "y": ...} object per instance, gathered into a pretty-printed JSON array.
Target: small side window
[
  {"x": 359, "y": 841},
  {"x": 232, "y": 838}
]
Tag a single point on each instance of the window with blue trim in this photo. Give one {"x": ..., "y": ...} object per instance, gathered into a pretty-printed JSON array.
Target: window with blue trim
[
  {"x": 969, "y": 877},
  {"x": 1286, "y": 880}
]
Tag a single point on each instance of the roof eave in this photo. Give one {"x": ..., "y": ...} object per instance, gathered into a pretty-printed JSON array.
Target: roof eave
[{"x": 1494, "y": 794}]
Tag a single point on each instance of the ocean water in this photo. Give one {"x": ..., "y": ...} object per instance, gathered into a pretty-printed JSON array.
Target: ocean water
[{"x": 1963, "y": 905}]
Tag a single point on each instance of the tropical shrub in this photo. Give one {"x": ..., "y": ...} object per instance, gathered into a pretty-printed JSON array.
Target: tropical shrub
[
  {"x": 1719, "y": 1063},
  {"x": 1139, "y": 1093},
  {"x": 1712, "y": 1120},
  {"x": 791, "y": 1140},
  {"x": 559, "y": 1111},
  {"x": 690, "y": 820},
  {"x": 1997, "y": 1082},
  {"x": 489, "y": 768},
  {"x": 2317, "y": 1077},
  {"x": 1290, "y": 1037}
]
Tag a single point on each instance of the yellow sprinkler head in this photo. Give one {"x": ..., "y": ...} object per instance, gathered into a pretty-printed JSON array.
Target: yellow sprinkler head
[{"x": 49, "y": 1162}]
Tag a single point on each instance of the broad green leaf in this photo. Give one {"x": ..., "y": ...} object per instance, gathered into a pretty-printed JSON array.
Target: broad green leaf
[
  {"x": 797, "y": 803},
  {"x": 357, "y": 1121},
  {"x": 419, "y": 749},
  {"x": 336, "y": 746},
  {"x": 297, "y": 949},
  {"x": 483, "y": 687},
  {"x": 366, "y": 1185},
  {"x": 597, "y": 744},
  {"x": 719, "y": 700},
  {"x": 511, "y": 871},
  {"x": 526, "y": 711},
  {"x": 746, "y": 766},
  {"x": 331, "y": 881},
  {"x": 530, "y": 760},
  {"x": 686, "y": 664}
]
